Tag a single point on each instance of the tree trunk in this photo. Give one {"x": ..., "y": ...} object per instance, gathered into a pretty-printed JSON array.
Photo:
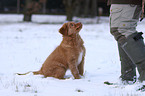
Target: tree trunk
[
  {"x": 94, "y": 8},
  {"x": 27, "y": 17},
  {"x": 70, "y": 6},
  {"x": 78, "y": 8},
  {"x": 18, "y": 6},
  {"x": 31, "y": 7},
  {"x": 27, "y": 10},
  {"x": 44, "y": 7},
  {"x": 86, "y": 8},
  {"x": 43, "y": 3},
  {"x": 69, "y": 13}
]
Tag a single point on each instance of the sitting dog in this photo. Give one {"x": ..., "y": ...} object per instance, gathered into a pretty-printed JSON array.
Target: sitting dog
[{"x": 70, "y": 54}]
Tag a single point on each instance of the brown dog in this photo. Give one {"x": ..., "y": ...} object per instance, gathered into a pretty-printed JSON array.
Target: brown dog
[{"x": 68, "y": 55}]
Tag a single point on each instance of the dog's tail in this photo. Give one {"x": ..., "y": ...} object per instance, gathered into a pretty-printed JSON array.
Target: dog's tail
[
  {"x": 37, "y": 72},
  {"x": 23, "y": 73},
  {"x": 34, "y": 72}
]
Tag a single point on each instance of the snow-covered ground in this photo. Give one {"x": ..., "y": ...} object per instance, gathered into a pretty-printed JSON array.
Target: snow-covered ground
[{"x": 24, "y": 47}]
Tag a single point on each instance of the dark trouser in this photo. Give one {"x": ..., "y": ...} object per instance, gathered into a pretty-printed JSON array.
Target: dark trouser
[
  {"x": 134, "y": 47},
  {"x": 123, "y": 22},
  {"x": 128, "y": 68}
]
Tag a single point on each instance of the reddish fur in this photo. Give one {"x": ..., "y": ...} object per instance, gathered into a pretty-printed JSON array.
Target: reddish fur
[{"x": 65, "y": 56}]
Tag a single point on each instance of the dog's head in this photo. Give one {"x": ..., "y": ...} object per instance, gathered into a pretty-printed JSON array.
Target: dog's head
[{"x": 70, "y": 28}]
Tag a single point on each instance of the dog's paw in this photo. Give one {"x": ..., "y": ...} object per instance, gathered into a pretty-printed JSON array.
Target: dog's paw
[{"x": 78, "y": 77}]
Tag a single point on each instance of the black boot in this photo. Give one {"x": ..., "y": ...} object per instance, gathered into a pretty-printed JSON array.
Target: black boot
[
  {"x": 134, "y": 47},
  {"x": 128, "y": 68}
]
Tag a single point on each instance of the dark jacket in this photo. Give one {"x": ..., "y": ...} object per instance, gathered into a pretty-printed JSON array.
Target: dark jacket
[{"x": 136, "y": 2}]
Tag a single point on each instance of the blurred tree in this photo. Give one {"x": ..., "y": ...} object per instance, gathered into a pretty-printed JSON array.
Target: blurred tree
[
  {"x": 31, "y": 7},
  {"x": 94, "y": 8},
  {"x": 79, "y": 8},
  {"x": 90, "y": 7},
  {"x": 43, "y": 2},
  {"x": 18, "y": 6},
  {"x": 70, "y": 6},
  {"x": 86, "y": 8}
]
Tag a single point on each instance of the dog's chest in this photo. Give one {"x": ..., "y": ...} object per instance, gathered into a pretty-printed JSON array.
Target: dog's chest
[{"x": 80, "y": 57}]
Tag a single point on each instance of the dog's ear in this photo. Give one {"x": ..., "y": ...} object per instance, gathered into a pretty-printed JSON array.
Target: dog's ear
[{"x": 63, "y": 30}]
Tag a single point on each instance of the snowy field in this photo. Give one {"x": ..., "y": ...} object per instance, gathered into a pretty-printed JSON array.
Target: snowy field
[{"x": 25, "y": 46}]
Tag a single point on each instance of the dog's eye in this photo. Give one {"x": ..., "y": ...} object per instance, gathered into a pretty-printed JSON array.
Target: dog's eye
[{"x": 72, "y": 24}]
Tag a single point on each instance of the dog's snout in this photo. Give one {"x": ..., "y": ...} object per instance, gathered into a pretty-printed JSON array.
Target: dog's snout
[{"x": 79, "y": 23}]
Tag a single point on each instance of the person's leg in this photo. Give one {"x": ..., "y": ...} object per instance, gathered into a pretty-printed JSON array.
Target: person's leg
[
  {"x": 135, "y": 49},
  {"x": 128, "y": 68},
  {"x": 123, "y": 22}
]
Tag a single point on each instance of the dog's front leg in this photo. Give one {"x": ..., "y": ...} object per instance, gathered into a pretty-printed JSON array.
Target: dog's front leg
[
  {"x": 81, "y": 67},
  {"x": 74, "y": 69}
]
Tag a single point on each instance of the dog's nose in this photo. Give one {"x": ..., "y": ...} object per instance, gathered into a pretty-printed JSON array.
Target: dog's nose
[{"x": 79, "y": 24}]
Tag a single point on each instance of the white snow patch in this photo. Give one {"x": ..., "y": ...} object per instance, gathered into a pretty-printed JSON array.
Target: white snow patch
[{"x": 24, "y": 47}]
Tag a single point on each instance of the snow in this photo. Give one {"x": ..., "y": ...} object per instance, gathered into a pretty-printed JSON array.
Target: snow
[{"x": 25, "y": 46}]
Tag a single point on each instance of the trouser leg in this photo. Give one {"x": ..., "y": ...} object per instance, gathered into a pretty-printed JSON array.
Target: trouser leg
[
  {"x": 128, "y": 68},
  {"x": 123, "y": 22},
  {"x": 135, "y": 49}
]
